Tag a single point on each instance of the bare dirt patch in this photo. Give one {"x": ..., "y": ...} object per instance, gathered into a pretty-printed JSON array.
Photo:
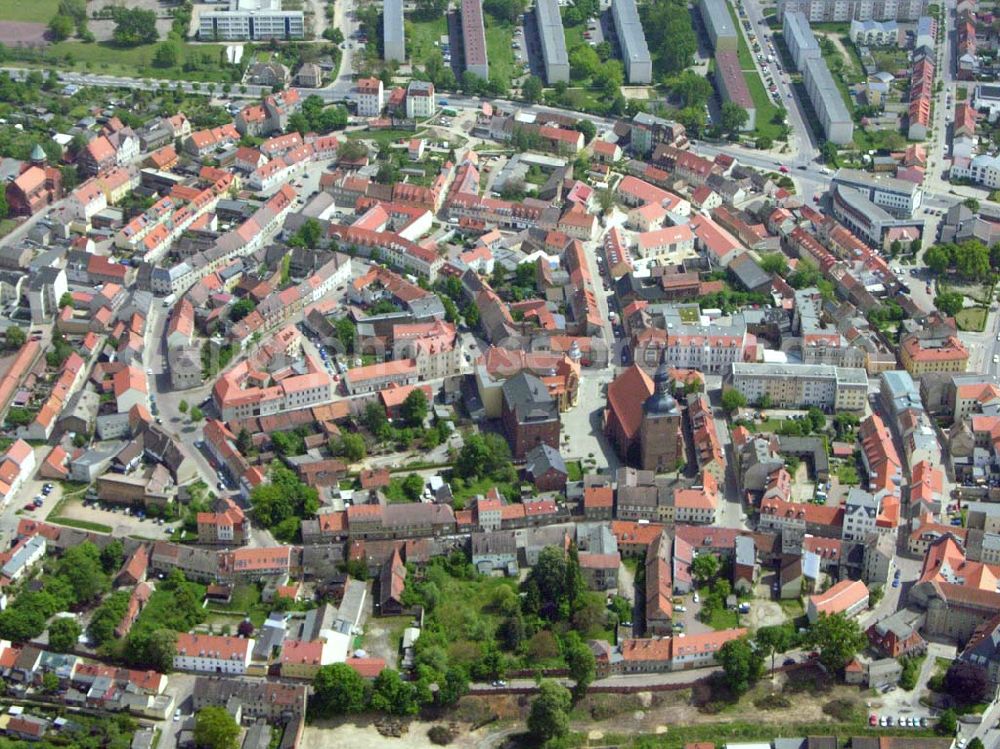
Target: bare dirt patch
[
  {"x": 349, "y": 735},
  {"x": 22, "y": 33}
]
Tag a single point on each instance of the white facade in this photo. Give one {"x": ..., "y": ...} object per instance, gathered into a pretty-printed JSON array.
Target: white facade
[
  {"x": 251, "y": 19},
  {"x": 370, "y": 96},
  {"x": 802, "y": 385},
  {"x": 213, "y": 654},
  {"x": 421, "y": 102},
  {"x": 983, "y": 170}
]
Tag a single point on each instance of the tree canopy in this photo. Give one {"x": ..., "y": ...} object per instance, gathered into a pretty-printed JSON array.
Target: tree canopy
[
  {"x": 214, "y": 728},
  {"x": 338, "y": 690},
  {"x": 549, "y": 716},
  {"x": 838, "y": 639},
  {"x": 742, "y": 663}
]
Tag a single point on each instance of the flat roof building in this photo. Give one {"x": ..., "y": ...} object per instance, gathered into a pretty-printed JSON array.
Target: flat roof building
[
  {"x": 393, "y": 34},
  {"x": 719, "y": 24},
  {"x": 635, "y": 53},
  {"x": 845, "y": 11},
  {"x": 733, "y": 85},
  {"x": 550, "y": 31},
  {"x": 251, "y": 19},
  {"x": 802, "y": 44},
  {"x": 899, "y": 197},
  {"x": 474, "y": 39},
  {"x": 827, "y": 101}
]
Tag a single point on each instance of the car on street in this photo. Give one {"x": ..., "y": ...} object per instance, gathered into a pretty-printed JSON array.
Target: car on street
[
  {"x": 783, "y": 169},
  {"x": 873, "y": 720},
  {"x": 29, "y": 507}
]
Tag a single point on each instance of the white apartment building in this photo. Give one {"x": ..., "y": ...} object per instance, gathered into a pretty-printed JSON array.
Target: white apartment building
[
  {"x": 421, "y": 102},
  {"x": 213, "y": 654},
  {"x": 801, "y": 385},
  {"x": 251, "y": 19},
  {"x": 897, "y": 196},
  {"x": 370, "y": 96},
  {"x": 983, "y": 170},
  {"x": 860, "y": 513}
]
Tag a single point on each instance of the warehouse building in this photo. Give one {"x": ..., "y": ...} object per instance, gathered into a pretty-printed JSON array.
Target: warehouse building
[
  {"x": 827, "y": 101},
  {"x": 802, "y": 45},
  {"x": 474, "y": 38},
  {"x": 733, "y": 85},
  {"x": 251, "y": 19},
  {"x": 635, "y": 53},
  {"x": 719, "y": 24},
  {"x": 550, "y": 31},
  {"x": 393, "y": 35}
]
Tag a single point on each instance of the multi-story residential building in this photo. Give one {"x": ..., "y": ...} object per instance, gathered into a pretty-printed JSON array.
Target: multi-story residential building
[
  {"x": 635, "y": 53},
  {"x": 983, "y": 169},
  {"x": 719, "y": 24},
  {"x": 270, "y": 700},
  {"x": 732, "y": 85},
  {"x": 802, "y": 44},
  {"x": 875, "y": 33},
  {"x": 393, "y": 31},
  {"x": 369, "y": 94},
  {"x": 698, "y": 505},
  {"x": 213, "y": 654},
  {"x": 421, "y": 102},
  {"x": 474, "y": 38},
  {"x": 843, "y": 11},
  {"x": 251, "y": 19},
  {"x": 529, "y": 414},
  {"x": 801, "y": 385},
  {"x": 861, "y": 509},
  {"x": 827, "y": 101},
  {"x": 922, "y": 355},
  {"x": 226, "y": 526},
  {"x": 553, "y": 38}
]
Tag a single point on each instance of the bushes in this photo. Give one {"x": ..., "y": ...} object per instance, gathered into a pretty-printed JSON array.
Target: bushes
[{"x": 911, "y": 671}]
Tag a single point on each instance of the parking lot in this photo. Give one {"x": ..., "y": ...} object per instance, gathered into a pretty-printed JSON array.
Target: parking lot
[{"x": 120, "y": 520}]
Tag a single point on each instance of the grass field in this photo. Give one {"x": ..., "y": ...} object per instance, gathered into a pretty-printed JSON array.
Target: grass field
[
  {"x": 743, "y": 52},
  {"x": 501, "y": 56},
  {"x": 972, "y": 319},
  {"x": 764, "y": 106},
  {"x": 83, "y": 525},
  {"x": 135, "y": 61},
  {"x": 37, "y": 11},
  {"x": 7, "y": 226},
  {"x": 847, "y": 474},
  {"x": 421, "y": 36}
]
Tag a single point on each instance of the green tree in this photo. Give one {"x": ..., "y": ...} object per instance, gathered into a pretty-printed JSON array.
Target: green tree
[
  {"x": 413, "y": 487},
  {"x": 392, "y": 695},
  {"x": 112, "y": 556},
  {"x": 774, "y": 639},
  {"x": 81, "y": 567},
  {"x": 583, "y": 62},
  {"x": 14, "y": 337},
  {"x": 214, "y": 728},
  {"x": 531, "y": 89},
  {"x": 310, "y": 233},
  {"x": 414, "y": 408},
  {"x": 167, "y": 55},
  {"x": 134, "y": 26},
  {"x": 733, "y": 117},
  {"x": 817, "y": 419},
  {"x": 742, "y": 664},
  {"x": 947, "y": 724},
  {"x": 691, "y": 89},
  {"x": 482, "y": 455},
  {"x": 976, "y": 743},
  {"x": 241, "y": 309},
  {"x": 972, "y": 204},
  {"x": 774, "y": 262},
  {"x": 838, "y": 639},
  {"x": 63, "y": 634},
  {"x": 733, "y": 400},
  {"x": 159, "y": 648},
  {"x": 60, "y": 27},
  {"x": 705, "y": 568},
  {"x": 938, "y": 258},
  {"x": 196, "y": 415},
  {"x": 949, "y": 302},
  {"x": 588, "y": 129},
  {"x": 549, "y": 716},
  {"x": 966, "y": 683},
  {"x": 50, "y": 682},
  {"x": 183, "y": 406},
  {"x": 580, "y": 661},
  {"x": 338, "y": 690},
  {"x": 66, "y": 300},
  {"x": 352, "y": 446}
]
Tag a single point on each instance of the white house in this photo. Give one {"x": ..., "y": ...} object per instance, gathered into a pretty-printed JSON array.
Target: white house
[
  {"x": 214, "y": 654},
  {"x": 23, "y": 557},
  {"x": 17, "y": 465}
]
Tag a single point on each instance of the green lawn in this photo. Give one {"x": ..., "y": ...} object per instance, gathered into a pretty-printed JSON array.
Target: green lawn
[
  {"x": 421, "y": 35},
  {"x": 501, "y": 56},
  {"x": 7, "y": 226},
  {"x": 831, "y": 28},
  {"x": 764, "y": 106},
  {"x": 136, "y": 61},
  {"x": 961, "y": 93},
  {"x": 38, "y": 11},
  {"x": 972, "y": 319},
  {"x": 574, "y": 471},
  {"x": 384, "y": 137},
  {"x": 743, "y": 52},
  {"x": 574, "y": 36},
  {"x": 83, "y": 525},
  {"x": 847, "y": 474}
]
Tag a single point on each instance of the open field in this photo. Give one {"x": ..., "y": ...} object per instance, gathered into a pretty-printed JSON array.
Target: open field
[
  {"x": 37, "y": 11},
  {"x": 22, "y": 33},
  {"x": 972, "y": 318},
  {"x": 421, "y": 36},
  {"x": 109, "y": 59},
  {"x": 501, "y": 56}
]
